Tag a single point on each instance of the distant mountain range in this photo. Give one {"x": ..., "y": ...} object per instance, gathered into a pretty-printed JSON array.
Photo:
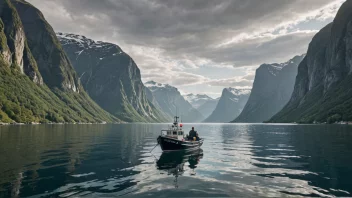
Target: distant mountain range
[
  {"x": 323, "y": 91},
  {"x": 272, "y": 89},
  {"x": 197, "y": 100},
  {"x": 110, "y": 77},
  {"x": 230, "y": 105},
  {"x": 202, "y": 102},
  {"x": 170, "y": 100}
]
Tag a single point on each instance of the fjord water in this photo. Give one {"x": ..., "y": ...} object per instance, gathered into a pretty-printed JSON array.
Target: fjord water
[{"x": 235, "y": 160}]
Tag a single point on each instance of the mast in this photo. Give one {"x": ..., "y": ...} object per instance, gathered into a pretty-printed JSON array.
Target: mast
[{"x": 176, "y": 120}]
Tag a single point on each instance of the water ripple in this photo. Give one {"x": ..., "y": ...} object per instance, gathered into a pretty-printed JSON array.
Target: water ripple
[{"x": 235, "y": 160}]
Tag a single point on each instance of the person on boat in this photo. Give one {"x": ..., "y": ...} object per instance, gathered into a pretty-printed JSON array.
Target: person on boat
[{"x": 192, "y": 134}]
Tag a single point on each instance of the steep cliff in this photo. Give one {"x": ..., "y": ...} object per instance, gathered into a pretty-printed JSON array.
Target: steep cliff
[
  {"x": 14, "y": 47},
  {"x": 272, "y": 89},
  {"x": 230, "y": 105},
  {"x": 52, "y": 61},
  {"x": 110, "y": 77},
  {"x": 323, "y": 91},
  {"x": 26, "y": 94}
]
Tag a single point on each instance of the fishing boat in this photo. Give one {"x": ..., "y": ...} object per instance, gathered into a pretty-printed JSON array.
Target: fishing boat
[{"x": 174, "y": 139}]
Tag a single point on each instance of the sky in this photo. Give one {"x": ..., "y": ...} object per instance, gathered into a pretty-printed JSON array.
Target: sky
[{"x": 198, "y": 46}]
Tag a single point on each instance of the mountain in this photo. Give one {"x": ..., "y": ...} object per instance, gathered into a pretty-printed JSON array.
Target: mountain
[
  {"x": 37, "y": 82},
  {"x": 172, "y": 102},
  {"x": 203, "y": 103},
  {"x": 230, "y": 105},
  {"x": 272, "y": 89},
  {"x": 208, "y": 107},
  {"x": 197, "y": 100},
  {"x": 110, "y": 77},
  {"x": 323, "y": 91}
]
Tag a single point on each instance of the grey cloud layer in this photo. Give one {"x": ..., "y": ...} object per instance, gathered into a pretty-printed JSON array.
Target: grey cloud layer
[{"x": 189, "y": 32}]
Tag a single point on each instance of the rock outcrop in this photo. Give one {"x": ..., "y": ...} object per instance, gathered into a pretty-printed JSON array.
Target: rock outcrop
[
  {"x": 14, "y": 48},
  {"x": 53, "y": 64}
]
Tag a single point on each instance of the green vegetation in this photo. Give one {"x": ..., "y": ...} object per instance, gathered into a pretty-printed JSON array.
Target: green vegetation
[
  {"x": 129, "y": 114},
  {"x": 23, "y": 101}
]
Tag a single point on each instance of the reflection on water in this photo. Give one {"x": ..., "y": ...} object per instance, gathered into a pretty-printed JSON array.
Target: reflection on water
[
  {"x": 235, "y": 160},
  {"x": 173, "y": 162}
]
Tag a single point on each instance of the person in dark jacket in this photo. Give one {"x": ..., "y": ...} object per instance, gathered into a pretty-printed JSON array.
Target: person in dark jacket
[{"x": 192, "y": 134}]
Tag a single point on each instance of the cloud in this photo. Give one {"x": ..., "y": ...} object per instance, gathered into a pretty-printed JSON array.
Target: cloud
[
  {"x": 243, "y": 81},
  {"x": 168, "y": 37}
]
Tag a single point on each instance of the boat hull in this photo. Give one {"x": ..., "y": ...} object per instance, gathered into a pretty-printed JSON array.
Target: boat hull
[{"x": 171, "y": 144}]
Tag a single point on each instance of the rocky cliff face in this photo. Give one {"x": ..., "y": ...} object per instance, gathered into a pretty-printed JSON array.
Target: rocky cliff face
[
  {"x": 272, "y": 89},
  {"x": 27, "y": 94},
  {"x": 230, "y": 105},
  {"x": 171, "y": 102},
  {"x": 322, "y": 91},
  {"x": 14, "y": 47},
  {"x": 52, "y": 61},
  {"x": 110, "y": 77}
]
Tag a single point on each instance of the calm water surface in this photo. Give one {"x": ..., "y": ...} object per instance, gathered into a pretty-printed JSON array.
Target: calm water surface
[{"x": 235, "y": 160}]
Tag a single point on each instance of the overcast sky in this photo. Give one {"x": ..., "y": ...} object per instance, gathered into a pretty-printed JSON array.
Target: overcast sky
[{"x": 199, "y": 46}]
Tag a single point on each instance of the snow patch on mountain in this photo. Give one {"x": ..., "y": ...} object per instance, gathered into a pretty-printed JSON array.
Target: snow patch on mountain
[
  {"x": 238, "y": 92},
  {"x": 197, "y": 100},
  {"x": 154, "y": 86},
  {"x": 86, "y": 43}
]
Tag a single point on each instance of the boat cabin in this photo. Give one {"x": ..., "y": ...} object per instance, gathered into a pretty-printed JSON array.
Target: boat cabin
[{"x": 175, "y": 131}]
